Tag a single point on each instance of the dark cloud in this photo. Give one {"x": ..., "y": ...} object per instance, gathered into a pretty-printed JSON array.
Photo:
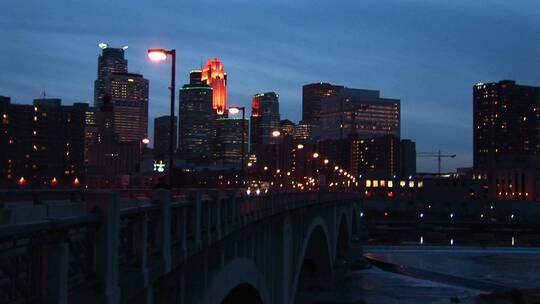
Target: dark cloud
[{"x": 426, "y": 53}]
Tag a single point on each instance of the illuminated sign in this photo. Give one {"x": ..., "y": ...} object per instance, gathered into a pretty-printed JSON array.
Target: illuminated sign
[{"x": 159, "y": 166}]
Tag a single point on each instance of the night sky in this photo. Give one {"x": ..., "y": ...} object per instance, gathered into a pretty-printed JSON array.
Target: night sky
[{"x": 426, "y": 53}]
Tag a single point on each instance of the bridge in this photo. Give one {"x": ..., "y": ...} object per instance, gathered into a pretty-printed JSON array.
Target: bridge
[{"x": 192, "y": 246}]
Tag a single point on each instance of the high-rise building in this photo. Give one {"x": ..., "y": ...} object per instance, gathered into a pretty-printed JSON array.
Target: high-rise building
[
  {"x": 264, "y": 121},
  {"x": 129, "y": 99},
  {"x": 506, "y": 119},
  {"x": 110, "y": 61},
  {"x": 42, "y": 144},
  {"x": 228, "y": 141},
  {"x": 196, "y": 125},
  {"x": 162, "y": 133},
  {"x": 375, "y": 157},
  {"x": 312, "y": 95},
  {"x": 303, "y": 132},
  {"x": 214, "y": 75},
  {"x": 362, "y": 112}
]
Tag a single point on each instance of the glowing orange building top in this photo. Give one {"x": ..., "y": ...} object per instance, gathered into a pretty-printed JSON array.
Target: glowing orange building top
[{"x": 214, "y": 75}]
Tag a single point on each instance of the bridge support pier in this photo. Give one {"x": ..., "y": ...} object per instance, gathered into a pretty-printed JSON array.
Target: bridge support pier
[
  {"x": 54, "y": 281},
  {"x": 106, "y": 244}
]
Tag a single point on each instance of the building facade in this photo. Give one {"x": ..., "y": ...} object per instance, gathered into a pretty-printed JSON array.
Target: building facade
[
  {"x": 506, "y": 119},
  {"x": 228, "y": 141},
  {"x": 196, "y": 125},
  {"x": 42, "y": 144},
  {"x": 110, "y": 61},
  {"x": 312, "y": 95},
  {"x": 362, "y": 112},
  {"x": 264, "y": 121},
  {"x": 162, "y": 126}
]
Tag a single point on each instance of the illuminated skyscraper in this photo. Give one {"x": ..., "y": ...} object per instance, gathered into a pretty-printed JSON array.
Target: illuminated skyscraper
[
  {"x": 312, "y": 94},
  {"x": 362, "y": 112},
  {"x": 264, "y": 120},
  {"x": 214, "y": 75},
  {"x": 196, "y": 125},
  {"x": 228, "y": 141},
  {"x": 506, "y": 121},
  {"x": 110, "y": 61},
  {"x": 129, "y": 99}
]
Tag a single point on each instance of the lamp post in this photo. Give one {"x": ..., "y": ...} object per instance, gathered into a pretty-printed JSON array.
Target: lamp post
[
  {"x": 161, "y": 55},
  {"x": 235, "y": 110}
]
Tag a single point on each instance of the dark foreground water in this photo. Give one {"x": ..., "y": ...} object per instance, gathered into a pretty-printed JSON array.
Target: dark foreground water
[{"x": 498, "y": 267}]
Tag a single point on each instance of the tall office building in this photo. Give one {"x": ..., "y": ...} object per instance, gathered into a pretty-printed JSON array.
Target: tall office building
[
  {"x": 162, "y": 133},
  {"x": 214, "y": 75},
  {"x": 506, "y": 122},
  {"x": 110, "y": 61},
  {"x": 362, "y": 112},
  {"x": 264, "y": 120},
  {"x": 375, "y": 157},
  {"x": 228, "y": 141},
  {"x": 129, "y": 99},
  {"x": 312, "y": 95},
  {"x": 42, "y": 144},
  {"x": 196, "y": 125},
  {"x": 195, "y": 77}
]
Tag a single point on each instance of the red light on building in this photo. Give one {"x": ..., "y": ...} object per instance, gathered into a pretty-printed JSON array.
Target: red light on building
[
  {"x": 386, "y": 213},
  {"x": 390, "y": 194},
  {"x": 22, "y": 181},
  {"x": 214, "y": 75},
  {"x": 54, "y": 181},
  {"x": 76, "y": 182}
]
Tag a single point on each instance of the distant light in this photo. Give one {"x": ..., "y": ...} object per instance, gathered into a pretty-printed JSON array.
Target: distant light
[
  {"x": 157, "y": 54},
  {"x": 300, "y": 146},
  {"x": 421, "y": 215},
  {"x": 76, "y": 182},
  {"x": 103, "y": 45},
  {"x": 234, "y": 110},
  {"x": 513, "y": 241},
  {"x": 452, "y": 241},
  {"x": 386, "y": 213},
  {"x": 315, "y": 155},
  {"x": 248, "y": 192},
  {"x": 326, "y": 161},
  {"x": 361, "y": 214},
  {"x": 512, "y": 216},
  {"x": 54, "y": 181},
  {"x": 22, "y": 181},
  {"x": 421, "y": 240},
  {"x": 491, "y": 207},
  {"x": 250, "y": 164},
  {"x": 451, "y": 215},
  {"x": 276, "y": 133},
  {"x": 265, "y": 168},
  {"x": 258, "y": 191},
  {"x": 145, "y": 141},
  {"x": 482, "y": 215}
]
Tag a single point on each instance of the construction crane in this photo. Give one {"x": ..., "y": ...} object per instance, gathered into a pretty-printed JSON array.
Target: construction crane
[{"x": 438, "y": 155}]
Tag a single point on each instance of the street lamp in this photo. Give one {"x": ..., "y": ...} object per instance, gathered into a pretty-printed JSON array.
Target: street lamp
[
  {"x": 161, "y": 55},
  {"x": 235, "y": 110}
]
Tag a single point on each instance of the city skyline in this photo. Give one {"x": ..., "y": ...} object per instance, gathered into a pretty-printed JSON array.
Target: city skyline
[{"x": 69, "y": 74}]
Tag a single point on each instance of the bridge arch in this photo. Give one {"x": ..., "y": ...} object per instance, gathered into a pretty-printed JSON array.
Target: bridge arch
[
  {"x": 315, "y": 259},
  {"x": 238, "y": 282}
]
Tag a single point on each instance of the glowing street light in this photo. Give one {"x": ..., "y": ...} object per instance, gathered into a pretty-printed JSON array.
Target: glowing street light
[
  {"x": 276, "y": 133},
  {"x": 300, "y": 146},
  {"x": 315, "y": 155},
  {"x": 145, "y": 141},
  {"x": 159, "y": 55}
]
